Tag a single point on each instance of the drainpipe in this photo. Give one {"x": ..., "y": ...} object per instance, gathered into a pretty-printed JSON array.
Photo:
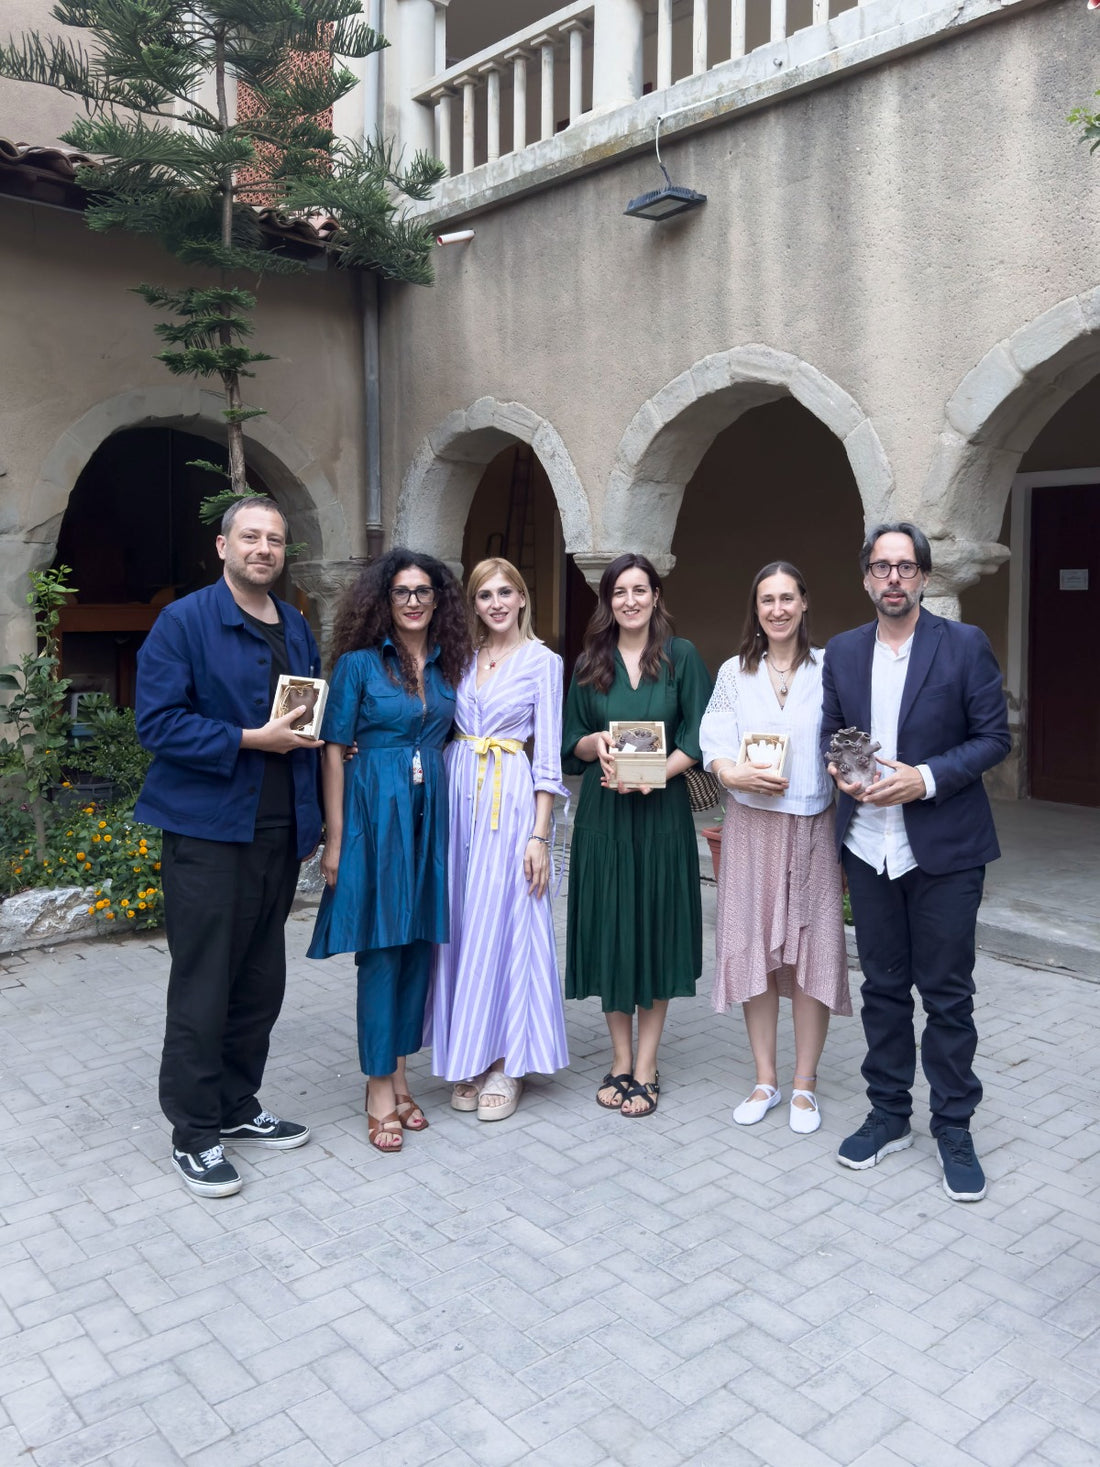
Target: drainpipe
[{"x": 372, "y": 379}]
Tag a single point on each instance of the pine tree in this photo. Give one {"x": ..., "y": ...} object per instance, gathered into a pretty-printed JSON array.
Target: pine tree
[{"x": 191, "y": 175}]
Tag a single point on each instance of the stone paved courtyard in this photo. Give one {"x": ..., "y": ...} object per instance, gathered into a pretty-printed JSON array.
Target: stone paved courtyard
[{"x": 566, "y": 1287}]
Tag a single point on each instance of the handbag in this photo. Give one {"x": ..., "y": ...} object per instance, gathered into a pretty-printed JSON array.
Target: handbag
[{"x": 704, "y": 791}]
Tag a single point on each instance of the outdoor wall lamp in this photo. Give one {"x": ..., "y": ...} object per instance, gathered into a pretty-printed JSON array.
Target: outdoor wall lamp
[{"x": 663, "y": 203}]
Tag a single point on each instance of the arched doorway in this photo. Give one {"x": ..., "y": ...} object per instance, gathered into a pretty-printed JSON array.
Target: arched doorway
[
  {"x": 1020, "y": 451},
  {"x": 1053, "y": 524},
  {"x": 132, "y": 539},
  {"x": 774, "y": 485},
  {"x": 776, "y": 456},
  {"x": 514, "y": 514}
]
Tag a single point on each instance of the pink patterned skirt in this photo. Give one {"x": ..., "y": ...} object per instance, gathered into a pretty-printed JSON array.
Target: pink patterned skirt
[{"x": 779, "y": 908}]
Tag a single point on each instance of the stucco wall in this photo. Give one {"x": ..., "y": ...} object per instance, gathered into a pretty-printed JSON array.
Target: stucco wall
[
  {"x": 79, "y": 363},
  {"x": 889, "y": 231}
]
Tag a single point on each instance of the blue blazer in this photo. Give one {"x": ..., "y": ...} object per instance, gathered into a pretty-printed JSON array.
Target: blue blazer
[
  {"x": 953, "y": 718},
  {"x": 204, "y": 675}
]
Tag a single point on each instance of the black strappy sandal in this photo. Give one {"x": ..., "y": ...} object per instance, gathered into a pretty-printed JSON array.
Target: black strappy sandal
[
  {"x": 642, "y": 1090},
  {"x": 620, "y": 1083}
]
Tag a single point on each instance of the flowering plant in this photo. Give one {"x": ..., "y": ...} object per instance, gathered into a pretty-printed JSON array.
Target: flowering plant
[{"x": 103, "y": 848}]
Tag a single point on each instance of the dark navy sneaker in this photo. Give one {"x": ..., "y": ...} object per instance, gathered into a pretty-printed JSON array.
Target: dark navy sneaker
[
  {"x": 880, "y": 1134},
  {"x": 963, "y": 1178},
  {"x": 266, "y": 1130},
  {"x": 207, "y": 1173}
]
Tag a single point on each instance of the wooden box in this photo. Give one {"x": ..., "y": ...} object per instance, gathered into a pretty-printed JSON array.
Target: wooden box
[
  {"x": 293, "y": 692},
  {"x": 765, "y": 748},
  {"x": 639, "y": 766}
]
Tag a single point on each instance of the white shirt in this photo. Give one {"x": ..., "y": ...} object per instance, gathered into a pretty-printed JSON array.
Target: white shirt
[
  {"x": 876, "y": 834},
  {"x": 745, "y": 702}
]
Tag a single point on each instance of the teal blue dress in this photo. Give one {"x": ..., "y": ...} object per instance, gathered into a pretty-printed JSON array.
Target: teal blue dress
[{"x": 391, "y": 888}]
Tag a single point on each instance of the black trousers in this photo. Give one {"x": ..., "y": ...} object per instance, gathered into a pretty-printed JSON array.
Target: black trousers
[
  {"x": 225, "y": 908},
  {"x": 918, "y": 932}
]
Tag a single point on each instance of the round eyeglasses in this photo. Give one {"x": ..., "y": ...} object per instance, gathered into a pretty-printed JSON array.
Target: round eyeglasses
[
  {"x": 907, "y": 569},
  {"x": 422, "y": 595}
]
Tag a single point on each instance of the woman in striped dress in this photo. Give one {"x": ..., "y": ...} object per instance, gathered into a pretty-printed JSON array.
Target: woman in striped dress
[
  {"x": 495, "y": 1012},
  {"x": 779, "y": 925}
]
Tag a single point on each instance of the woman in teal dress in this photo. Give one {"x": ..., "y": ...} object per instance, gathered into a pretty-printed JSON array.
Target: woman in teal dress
[
  {"x": 635, "y": 934},
  {"x": 402, "y": 642}
]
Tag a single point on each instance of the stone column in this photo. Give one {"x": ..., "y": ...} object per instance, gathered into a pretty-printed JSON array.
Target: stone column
[
  {"x": 956, "y": 565},
  {"x": 593, "y": 563},
  {"x": 409, "y": 67},
  {"x": 616, "y": 54},
  {"x": 324, "y": 582}
]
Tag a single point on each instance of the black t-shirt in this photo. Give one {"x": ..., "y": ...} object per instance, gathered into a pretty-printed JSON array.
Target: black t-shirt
[{"x": 276, "y": 807}]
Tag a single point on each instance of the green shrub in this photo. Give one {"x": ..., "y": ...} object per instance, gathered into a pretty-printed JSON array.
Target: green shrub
[{"x": 104, "y": 848}]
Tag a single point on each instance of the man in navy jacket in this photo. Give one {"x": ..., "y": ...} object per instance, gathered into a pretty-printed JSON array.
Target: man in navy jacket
[
  {"x": 235, "y": 792},
  {"x": 915, "y": 846}
]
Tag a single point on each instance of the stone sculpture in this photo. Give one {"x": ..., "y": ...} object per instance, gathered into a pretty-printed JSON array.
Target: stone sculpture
[{"x": 853, "y": 753}]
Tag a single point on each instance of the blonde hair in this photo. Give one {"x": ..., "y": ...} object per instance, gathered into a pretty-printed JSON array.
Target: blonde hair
[{"x": 496, "y": 565}]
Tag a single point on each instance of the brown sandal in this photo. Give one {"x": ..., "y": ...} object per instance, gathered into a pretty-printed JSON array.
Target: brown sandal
[
  {"x": 388, "y": 1126},
  {"x": 409, "y": 1113}
]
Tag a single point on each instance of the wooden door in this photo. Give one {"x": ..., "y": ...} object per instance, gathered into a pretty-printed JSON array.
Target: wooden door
[{"x": 1064, "y": 692}]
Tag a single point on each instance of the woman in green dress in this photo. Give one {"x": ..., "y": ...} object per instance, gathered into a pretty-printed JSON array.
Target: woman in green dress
[{"x": 635, "y": 935}]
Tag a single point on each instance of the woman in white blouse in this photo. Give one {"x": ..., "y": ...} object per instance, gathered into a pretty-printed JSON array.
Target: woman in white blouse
[{"x": 780, "y": 928}]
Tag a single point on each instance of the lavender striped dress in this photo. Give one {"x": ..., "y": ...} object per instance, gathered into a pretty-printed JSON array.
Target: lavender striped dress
[{"x": 495, "y": 989}]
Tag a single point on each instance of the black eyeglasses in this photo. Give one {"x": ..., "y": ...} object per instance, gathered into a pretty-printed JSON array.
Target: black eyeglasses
[
  {"x": 422, "y": 595},
  {"x": 906, "y": 569}
]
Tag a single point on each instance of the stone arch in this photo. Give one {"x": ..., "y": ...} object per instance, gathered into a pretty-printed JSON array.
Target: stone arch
[
  {"x": 291, "y": 472},
  {"x": 302, "y": 486},
  {"x": 991, "y": 420},
  {"x": 448, "y": 464},
  {"x": 669, "y": 434}
]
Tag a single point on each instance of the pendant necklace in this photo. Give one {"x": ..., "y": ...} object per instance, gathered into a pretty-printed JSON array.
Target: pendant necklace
[
  {"x": 781, "y": 673},
  {"x": 503, "y": 655}
]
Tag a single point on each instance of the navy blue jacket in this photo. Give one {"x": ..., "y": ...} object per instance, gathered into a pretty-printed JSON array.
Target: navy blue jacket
[
  {"x": 953, "y": 718},
  {"x": 204, "y": 675}
]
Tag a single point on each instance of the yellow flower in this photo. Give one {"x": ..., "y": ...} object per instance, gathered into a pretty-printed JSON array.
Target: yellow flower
[
  {"x": 89, "y": 809},
  {"x": 103, "y": 902},
  {"x": 66, "y": 784},
  {"x": 80, "y": 856},
  {"x": 68, "y": 832},
  {"x": 124, "y": 902},
  {"x": 91, "y": 911},
  {"x": 97, "y": 837},
  {"x": 17, "y": 869},
  {"x": 142, "y": 906},
  {"x": 129, "y": 914},
  {"x": 106, "y": 837},
  {"x": 110, "y": 916},
  {"x": 156, "y": 865},
  {"x": 87, "y": 865}
]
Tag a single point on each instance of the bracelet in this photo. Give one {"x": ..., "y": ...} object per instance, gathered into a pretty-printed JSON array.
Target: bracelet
[{"x": 540, "y": 838}]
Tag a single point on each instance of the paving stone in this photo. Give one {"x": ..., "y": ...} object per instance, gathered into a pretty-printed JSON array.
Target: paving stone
[{"x": 480, "y": 1300}]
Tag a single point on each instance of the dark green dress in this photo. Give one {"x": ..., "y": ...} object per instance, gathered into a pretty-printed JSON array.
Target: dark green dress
[{"x": 635, "y": 930}]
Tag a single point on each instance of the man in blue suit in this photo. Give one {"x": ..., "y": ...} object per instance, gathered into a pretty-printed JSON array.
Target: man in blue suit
[
  {"x": 235, "y": 792},
  {"x": 914, "y": 845}
]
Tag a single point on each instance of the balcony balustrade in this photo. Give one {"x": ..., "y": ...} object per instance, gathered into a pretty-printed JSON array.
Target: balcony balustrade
[{"x": 592, "y": 57}]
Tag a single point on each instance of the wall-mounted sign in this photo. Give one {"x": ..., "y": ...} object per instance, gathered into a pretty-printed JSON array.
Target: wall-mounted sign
[{"x": 1073, "y": 580}]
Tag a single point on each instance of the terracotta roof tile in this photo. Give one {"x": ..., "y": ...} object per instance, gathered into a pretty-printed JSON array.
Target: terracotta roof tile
[{"x": 48, "y": 176}]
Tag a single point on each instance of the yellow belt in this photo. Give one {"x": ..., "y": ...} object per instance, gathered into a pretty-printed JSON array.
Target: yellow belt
[{"x": 482, "y": 748}]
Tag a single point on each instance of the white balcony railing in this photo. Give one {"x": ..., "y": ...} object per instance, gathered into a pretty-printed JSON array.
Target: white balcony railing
[
  {"x": 595, "y": 56},
  {"x": 523, "y": 89}
]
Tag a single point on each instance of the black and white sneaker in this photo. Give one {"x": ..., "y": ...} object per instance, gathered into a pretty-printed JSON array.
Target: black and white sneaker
[
  {"x": 267, "y": 1130},
  {"x": 207, "y": 1173}
]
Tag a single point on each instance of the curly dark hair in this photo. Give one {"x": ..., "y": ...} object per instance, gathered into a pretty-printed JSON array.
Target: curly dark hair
[
  {"x": 597, "y": 660},
  {"x": 365, "y": 619},
  {"x": 754, "y": 641}
]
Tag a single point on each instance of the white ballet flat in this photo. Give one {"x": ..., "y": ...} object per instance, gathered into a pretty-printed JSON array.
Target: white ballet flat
[
  {"x": 750, "y": 1111},
  {"x": 805, "y": 1119}
]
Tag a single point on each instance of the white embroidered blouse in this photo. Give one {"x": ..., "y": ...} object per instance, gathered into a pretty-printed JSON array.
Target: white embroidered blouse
[{"x": 744, "y": 702}]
